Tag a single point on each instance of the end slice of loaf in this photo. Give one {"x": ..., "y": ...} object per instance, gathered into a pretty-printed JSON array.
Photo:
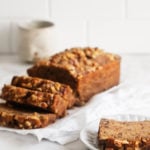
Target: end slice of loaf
[
  {"x": 48, "y": 86},
  {"x": 45, "y": 101},
  {"x": 24, "y": 119},
  {"x": 123, "y": 135}
]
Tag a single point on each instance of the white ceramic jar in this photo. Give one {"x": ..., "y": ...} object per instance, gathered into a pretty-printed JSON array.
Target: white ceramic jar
[{"x": 37, "y": 40}]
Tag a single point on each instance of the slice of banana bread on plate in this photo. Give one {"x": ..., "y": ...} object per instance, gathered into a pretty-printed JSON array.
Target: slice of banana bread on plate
[{"x": 124, "y": 135}]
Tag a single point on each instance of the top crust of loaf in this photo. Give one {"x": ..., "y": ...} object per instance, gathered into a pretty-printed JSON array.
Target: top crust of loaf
[{"x": 79, "y": 61}]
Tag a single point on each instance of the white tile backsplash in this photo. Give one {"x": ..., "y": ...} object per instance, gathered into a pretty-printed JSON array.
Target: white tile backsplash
[
  {"x": 121, "y": 36},
  {"x": 138, "y": 9},
  {"x": 70, "y": 33},
  {"x": 116, "y": 25},
  {"x": 23, "y": 8},
  {"x": 87, "y": 9}
]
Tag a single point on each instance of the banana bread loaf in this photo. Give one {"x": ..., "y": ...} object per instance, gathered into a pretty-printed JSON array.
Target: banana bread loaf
[
  {"x": 87, "y": 70},
  {"x": 46, "y": 101},
  {"x": 24, "y": 119},
  {"x": 124, "y": 135},
  {"x": 42, "y": 85}
]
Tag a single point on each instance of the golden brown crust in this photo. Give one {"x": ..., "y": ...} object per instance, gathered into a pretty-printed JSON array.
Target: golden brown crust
[
  {"x": 124, "y": 135},
  {"x": 79, "y": 61},
  {"x": 46, "y": 101},
  {"x": 23, "y": 119},
  {"x": 87, "y": 70},
  {"x": 43, "y": 85}
]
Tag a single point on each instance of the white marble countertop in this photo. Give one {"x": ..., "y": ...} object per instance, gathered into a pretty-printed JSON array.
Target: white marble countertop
[{"x": 135, "y": 69}]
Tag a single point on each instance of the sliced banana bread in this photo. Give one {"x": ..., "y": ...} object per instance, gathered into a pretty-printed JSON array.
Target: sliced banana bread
[
  {"x": 124, "y": 135},
  {"x": 24, "y": 119},
  {"x": 45, "y": 101},
  {"x": 43, "y": 85}
]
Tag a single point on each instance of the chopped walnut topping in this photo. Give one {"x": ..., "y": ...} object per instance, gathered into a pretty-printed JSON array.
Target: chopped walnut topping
[
  {"x": 28, "y": 124},
  {"x": 75, "y": 59}
]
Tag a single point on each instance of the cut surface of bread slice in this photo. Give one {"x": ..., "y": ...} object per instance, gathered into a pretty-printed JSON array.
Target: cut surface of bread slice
[
  {"x": 24, "y": 119},
  {"x": 124, "y": 135},
  {"x": 43, "y": 85},
  {"x": 46, "y": 101}
]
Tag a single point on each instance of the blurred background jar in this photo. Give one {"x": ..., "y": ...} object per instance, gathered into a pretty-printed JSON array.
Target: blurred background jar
[{"x": 37, "y": 40}]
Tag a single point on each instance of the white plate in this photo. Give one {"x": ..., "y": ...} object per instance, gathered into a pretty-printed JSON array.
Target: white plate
[{"x": 89, "y": 134}]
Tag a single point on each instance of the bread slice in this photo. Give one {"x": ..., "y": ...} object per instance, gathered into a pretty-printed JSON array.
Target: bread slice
[
  {"x": 124, "y": 135},
  {"x": 87, "y": 70},
  {"x": 24, "y": 119},
  {"x": 45, "y": 101},
  {"x": 43, "y": 85}
]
